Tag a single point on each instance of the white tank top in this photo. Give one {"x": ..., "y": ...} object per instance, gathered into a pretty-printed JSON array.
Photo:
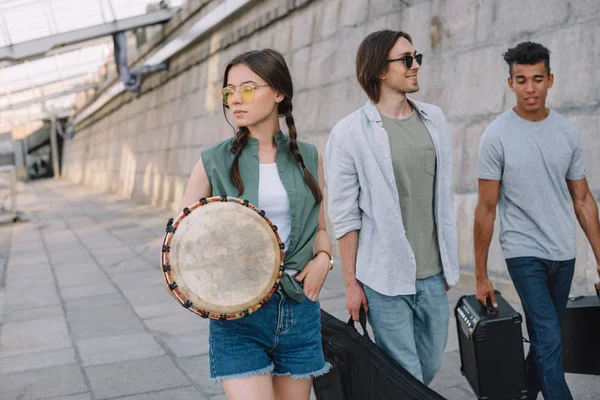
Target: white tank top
[{"x": 273, "y": 198}]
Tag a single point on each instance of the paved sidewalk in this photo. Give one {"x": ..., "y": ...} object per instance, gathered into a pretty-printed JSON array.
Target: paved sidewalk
[{"x": 83, "y": 312}]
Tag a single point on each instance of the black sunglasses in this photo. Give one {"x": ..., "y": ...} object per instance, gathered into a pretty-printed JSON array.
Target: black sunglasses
[{"x": 408, "y": 60}]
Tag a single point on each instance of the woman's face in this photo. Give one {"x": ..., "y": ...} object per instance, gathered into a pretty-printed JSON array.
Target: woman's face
[{"x": 248, "y": 109}]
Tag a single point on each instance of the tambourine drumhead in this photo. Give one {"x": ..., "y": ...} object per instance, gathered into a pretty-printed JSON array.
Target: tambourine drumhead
[{"x": 224, "y": 257}]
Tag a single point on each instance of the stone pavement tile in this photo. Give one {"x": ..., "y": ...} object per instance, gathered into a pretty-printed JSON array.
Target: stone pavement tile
[
  {"x": 176, "y": 324},
  {"x": 138, "y": 279},
  {"x": 39, "y": 295},
  {"x": 26, "y": 247},
  {"x": 110, "y": 256},
  {"x": 142, "y": 241},
  {"x": 459, "y": 392},
  {"x": 27, "y": 258},
  {"x": 102, "y": 212},
  {"x": 27, "y": 362},
  {"x": 131, "y": 232},
  {"x": 184, "y": 393},
  {"x": 452, "y": 344},
  {"x": 66, "y": 257},
  {"x": 102, "y": 300},
  {"x": 75, "y": 268},
  {"x": 65, "y": 251},
  {"x": 75, "y": 265},
  {"x": 89, "y": 231},
  {"x": 334, "y": 285},
  {"x": 332, "y": 293},
  {"x": 79, "y": 276},
  {"x": 455, "y": 294},
  {"x": 198, "y": 369},
  {"x": 133, "y": 264},
  {"x": 449, "y": 375},
  {"x": 82, "y": 396},
  {"x": 169, "y": 307},
  {"x": 152, "y": 245},
  {"x": 155, "y": 226},
  {"x": 116, "y": 223},
  {"x": 65, "y": 242},
  {"x": 33, "y": 313},
  {"x": 147, "y": 295},
  {"x": 100, "y": 241},
  {"x": 149, "y": 254},
  {"x": 17, "y": 281},
  {"x": 88, "y": 290},
  {"x": 333, "y": 304},
  {"x": 34, "y": 336},
  {"x": 42, "y": 383},
  {"x": 133, "y": 377},
  {"x": 187, "y": 344},
  {"x": 103, "y": 321},
  {"x": 84, "y": 223},
  {"x": 19, "y": 271},
  {"x": 583, "y": 387},
  {"x": 118, "y": 348},
  {"x": 57, "y": 232}
]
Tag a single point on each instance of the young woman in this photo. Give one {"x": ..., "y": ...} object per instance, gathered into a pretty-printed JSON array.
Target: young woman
[{"x": 275, "y": 352}]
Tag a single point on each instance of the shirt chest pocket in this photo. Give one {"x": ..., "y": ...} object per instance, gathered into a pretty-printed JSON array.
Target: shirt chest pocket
[{"x": 429, "y": 160}]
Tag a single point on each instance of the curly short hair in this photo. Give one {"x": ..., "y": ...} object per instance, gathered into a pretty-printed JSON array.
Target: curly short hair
[{"x": 527, "y": 53}]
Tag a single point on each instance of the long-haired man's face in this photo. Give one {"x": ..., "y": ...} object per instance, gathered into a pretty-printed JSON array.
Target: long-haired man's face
[
  {"x": 397, "y": 76},
  {"x": 258, "y": 108},
  {"x": 530, "y": 83}
]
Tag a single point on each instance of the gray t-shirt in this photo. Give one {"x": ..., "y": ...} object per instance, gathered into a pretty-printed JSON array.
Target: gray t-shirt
[
  {"x": 533, "y": 161},
  {"x": 413, "y": 161}
]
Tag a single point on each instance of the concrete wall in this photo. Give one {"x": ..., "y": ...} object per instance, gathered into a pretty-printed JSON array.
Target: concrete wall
[{"x": 145, "y": 146}]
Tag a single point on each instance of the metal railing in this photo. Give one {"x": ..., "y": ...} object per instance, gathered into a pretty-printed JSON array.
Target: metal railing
[
  {"x": 26, "y": 20},
  {"x": 23, "y": 20}
]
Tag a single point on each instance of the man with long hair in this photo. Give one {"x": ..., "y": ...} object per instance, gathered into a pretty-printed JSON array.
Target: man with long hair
[{"x": 389, "y": 174}]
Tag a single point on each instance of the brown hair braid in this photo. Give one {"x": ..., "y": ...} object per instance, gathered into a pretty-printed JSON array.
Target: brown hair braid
[{"x": 270, "y": 66}]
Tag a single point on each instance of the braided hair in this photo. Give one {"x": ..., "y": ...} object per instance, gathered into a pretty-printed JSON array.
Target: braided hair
[{"x": 271, "y": 66}]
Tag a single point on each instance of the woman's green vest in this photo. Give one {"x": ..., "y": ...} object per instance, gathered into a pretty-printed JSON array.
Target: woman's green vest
[{"x": 304, "y": 211}]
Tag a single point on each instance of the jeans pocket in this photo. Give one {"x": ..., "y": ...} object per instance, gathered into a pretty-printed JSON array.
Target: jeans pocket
[{"x": 517, "y": 262}]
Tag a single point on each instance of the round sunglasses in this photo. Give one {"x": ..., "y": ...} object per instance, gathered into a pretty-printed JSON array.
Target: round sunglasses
[
  {"x": 408, "y": 60},
  {"x": 246, "y": 92}
]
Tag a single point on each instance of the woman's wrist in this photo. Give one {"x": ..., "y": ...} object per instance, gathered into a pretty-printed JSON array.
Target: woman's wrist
[{"x": 325, "y": 253}]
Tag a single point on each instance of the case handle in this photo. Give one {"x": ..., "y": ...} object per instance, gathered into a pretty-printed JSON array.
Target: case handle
[
  {"x": 491, "y": 310},
  {"x": 362, "y": 319}
]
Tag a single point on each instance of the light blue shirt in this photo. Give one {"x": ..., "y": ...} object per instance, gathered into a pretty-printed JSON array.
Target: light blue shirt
[
  {"x": 533, "y": 161},
  {"x": 362, "y": 195}
]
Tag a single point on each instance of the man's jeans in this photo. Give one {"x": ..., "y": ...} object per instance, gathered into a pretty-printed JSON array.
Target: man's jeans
[
  {"x": 413, "y": 329},
  {"x": 543, "y": 287}
]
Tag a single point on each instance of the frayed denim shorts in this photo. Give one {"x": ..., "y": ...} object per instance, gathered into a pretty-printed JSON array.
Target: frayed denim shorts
[{"x": 282, "y": 338}]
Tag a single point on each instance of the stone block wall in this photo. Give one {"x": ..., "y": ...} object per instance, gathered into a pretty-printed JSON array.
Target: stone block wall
[{"x": 144, "y": 146}]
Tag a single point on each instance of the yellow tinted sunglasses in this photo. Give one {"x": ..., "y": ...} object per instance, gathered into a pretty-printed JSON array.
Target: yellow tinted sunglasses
[{"x": 246, "y": 92}]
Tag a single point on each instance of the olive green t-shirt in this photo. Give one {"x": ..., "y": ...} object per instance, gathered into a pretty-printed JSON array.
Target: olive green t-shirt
[{"x": 414, "y": 163}]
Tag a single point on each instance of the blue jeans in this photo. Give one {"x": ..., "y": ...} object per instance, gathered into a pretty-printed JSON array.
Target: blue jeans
[
  {"x": 413, "y": 329},
  {"x": 543, "y": 287},
  {"x": 282, "y": 337}
]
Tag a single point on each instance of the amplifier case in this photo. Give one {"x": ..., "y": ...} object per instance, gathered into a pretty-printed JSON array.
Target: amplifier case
[{"x": 491, "y": 349}]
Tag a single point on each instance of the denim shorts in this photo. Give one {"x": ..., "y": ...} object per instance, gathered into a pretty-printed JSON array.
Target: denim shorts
[{"x": 282, "y": 338}]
